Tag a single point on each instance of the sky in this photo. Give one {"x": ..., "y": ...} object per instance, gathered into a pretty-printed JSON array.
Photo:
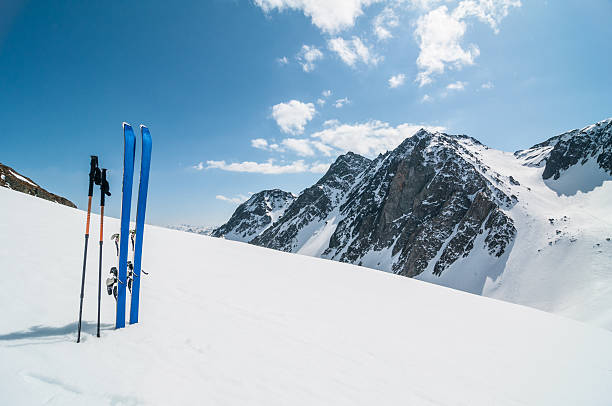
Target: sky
[{"x": 246, "y": 95}]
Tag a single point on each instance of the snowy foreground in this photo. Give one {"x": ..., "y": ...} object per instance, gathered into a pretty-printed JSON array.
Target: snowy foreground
[{"x": 226, "y": 323}]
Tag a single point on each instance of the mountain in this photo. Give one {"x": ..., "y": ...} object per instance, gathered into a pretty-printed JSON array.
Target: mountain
[
  {"x": 227, "y": 323},
  {"x": 11, "y": 179},
  {"x": 591, "y": 147},
  {"x": 449, "y": 210},
  {"x": 203, "y": 230},
  {"x": 255, "y": 215},
  {"x": 313, "y": 205}
]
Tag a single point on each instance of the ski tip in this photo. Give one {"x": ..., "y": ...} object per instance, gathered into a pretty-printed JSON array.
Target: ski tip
[
  {"x": 142, "y": 126},
  {"x": 126, "y": 124}
]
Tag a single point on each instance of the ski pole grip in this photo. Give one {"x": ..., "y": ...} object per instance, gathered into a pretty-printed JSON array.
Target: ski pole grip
[
  {"x": 93, "y": 166},
  {"x": 104, "y": 188}
]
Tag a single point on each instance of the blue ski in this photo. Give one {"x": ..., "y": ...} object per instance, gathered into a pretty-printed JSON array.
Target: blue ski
[
  {"x": 145, "y": 165},
  {"x": 129, "y": 152}
]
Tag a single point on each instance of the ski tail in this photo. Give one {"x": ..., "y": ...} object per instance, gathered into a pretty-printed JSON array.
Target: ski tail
[
  {"x": 126, "y": 202},
  {"x": 145, "y": 165}
]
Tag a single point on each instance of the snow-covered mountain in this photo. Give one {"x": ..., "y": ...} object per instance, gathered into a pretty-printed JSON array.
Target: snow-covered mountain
[
  {"x": 255, "y": 215},
  {"x": 227, "y": 323},
  {"x": 11, "y": 179},
  {"x": 203, "y": 230},
  {"x": 529, "y": 227}
]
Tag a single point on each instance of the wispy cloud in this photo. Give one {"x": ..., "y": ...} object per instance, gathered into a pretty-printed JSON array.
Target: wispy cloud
[
  {"x": 384, "y": 22},
  {"x": 397, "y": 80},
  {"x": 269, "y": 167},
  {"x": 307, "y": 57},
  {"x": 302, "y": 147},
  {"x": 282, "y": 61},
  {"x": 341, "y": 102},
  {"x": 235, "y": 200},
  {"x": 487, "y": 85},
  {"x": 458, "y": 85},
  {"x": 353, "y": 51}
]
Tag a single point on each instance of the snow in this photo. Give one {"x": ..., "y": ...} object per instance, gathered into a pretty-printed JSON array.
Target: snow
[
  {"x": 18, "y": 176},
  {"x": 228, "y": 323},
  {"x": 560, "y": 266},
  {"x": 580, "y": 178},
  {"x": 319, "y": 241}
]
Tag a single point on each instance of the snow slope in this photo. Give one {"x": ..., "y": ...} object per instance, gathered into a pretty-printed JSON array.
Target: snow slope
[
  {"x": 561, "y": 259},
  {"x": 227, "y": 323}
]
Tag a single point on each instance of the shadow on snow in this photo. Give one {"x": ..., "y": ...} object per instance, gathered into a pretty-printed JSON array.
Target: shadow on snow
[{"x": 40, "y": 331}]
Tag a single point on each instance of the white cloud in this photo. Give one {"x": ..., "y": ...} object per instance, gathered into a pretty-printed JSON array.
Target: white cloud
[
  {"x": 397, "y": 80},
  {"x": 383, "y": 22},
  {"x": 259, "y": 143},
  {"x": 329, "y": 16},
  {"x": 199, "y": 166},
  {"x": 487, "y": 85},
  {"x": 326, "y": 93},
  {"x": 291, "y": 117},
  {"x": 353, "y": 51},
  {"x": 488, "y": 11},
  {"x": 319, "y": 168},
  {"x": 321, "y": 102},
  {"x": 369, "y": 138},
  {"x": 341, "y": 102},
  {"x": 307, "y": 57},
  {"x": 306, "y": 147},
  {"x": 330, "y": 123},
  {"x": 458, "y": 85},
  {"x": 440, "y": 34},
  {"x": 267, "y": 168},
  {"x": 426, "y": 99},
  {"x": 301, "y": 147},
  {"x": 236, "y": 200},
  {"x": 282, "y": 61}
]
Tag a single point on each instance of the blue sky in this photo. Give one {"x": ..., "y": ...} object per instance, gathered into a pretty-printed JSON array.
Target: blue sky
[{"x": 246, "y": 95}]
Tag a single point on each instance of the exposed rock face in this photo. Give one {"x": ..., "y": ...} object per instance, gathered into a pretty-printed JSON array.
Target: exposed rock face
[
  {"x": 425, "y": 197},
  {"x": 559, "y": 153},
  {"x": 428, "y": 199},
  {"x": 255, "y": 215},
  {"x": 11, "y": 179}
]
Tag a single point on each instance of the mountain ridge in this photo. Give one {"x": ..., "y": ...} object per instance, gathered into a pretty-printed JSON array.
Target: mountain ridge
[
  {"x": 11, "y": 179},
  {"x": 449, "y": 210}
]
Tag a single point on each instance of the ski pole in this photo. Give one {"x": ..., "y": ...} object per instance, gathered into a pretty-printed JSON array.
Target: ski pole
[
  {"x": 104, "y": 191},
  {"x": 94, "y": 177}
]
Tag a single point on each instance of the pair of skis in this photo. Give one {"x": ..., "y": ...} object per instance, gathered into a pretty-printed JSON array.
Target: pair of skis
[{"x": 129, "y": 154}]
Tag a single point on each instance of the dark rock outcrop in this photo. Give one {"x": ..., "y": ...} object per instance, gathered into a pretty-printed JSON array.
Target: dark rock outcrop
[
  {"x": 11, "y": 179},
  {"x": 559, "y": 153}
]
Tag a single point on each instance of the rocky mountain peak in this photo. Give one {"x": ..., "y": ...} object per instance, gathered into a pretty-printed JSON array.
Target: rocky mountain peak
[
  {"x": 11, "y": 179},
  {"x": 255, "y": 215},
  {"x": 559, "y": 153}
]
